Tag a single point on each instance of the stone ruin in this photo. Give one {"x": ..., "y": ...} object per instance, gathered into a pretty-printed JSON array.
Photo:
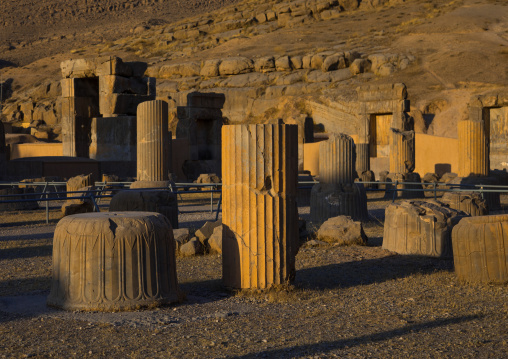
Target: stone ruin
[
  {"x": 480, "y": 245},
  {"x": 201, "y": 121},
  {"x": 154, "y": 162},
  {"x": 99, "y": 101},
  {"x": 337, "y": 194},
  {"x": 420, "y": 228},
  {"x": 260, "y": 216},
  {"x": 113, "y": 261}
]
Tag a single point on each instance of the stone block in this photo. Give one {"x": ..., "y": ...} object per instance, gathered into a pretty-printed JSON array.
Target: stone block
[
  {"x": 415, "y": 187},
  {"x": 192, "y": 248},
  {"x": 260, "y": 217},
  {"x": 206, "y": 231},
  {"x": 160, "y": 201},
  {"x": 78, "y": 182},
  {"x": 469, "y": 202},
  {"x": 420, "y": 228},
  {"x": 121, "y": 104},
  {"x": 215, "y": 240},
  {"x": 69, "y": 208},
  {"x": 342, "y": 230},
  {"x": 235, "y": 66},
  {"x": 113, "y": 261},
  {"x": 78, "y": 68},
  {"x": 332, "y": 200},
  {"x": 113, "y": 138},
  {"x": 480, "y": 248},
  {"x": 109, "y": 84}
]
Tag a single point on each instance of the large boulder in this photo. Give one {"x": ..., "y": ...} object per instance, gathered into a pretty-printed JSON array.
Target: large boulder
[
  {"x": 206, "y": 231},
  {"x": 420, "y": 228},
  {"x": 192, "y": 248},
  {"x": 215, "y": 240},
  {"x": 235, "y": 66},
  {"x": 342, "y": 230}
]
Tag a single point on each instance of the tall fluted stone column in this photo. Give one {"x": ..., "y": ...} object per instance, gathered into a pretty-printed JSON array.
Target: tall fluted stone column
[
  {"x": 362, "y": 158},
  {"x": 337, "y": 194},
  {"x": 337, "y": 160},
  {"x": 153, "y": 141},
  {"x": 402, "y": 151},
  {"x": 260, "y": 231},
  {"x": 473, "y": 149}
]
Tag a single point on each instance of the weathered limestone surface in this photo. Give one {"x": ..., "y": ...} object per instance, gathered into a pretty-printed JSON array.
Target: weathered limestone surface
[
  {"x": 492, "y": 199},
  {"x": 160, "y": 201},
  {"x": 113, "y": 138},
  {"x": 332, "y": 200},
  {"x": 342, "y": 230},
  {"x": 469, "y": 202},
  {"x": 113, "y": 261},
  {"x": 473, "y": 149},
  {"x": 260, "y": 218},
  {"x": 78, "y": 182},
  {"x": 420, "y": 228},
  {"x": 367, "y": 176},
  {"x": 362, "y": 157},
  {"x": 153, "y": 141},
  {"x": 337, "y": 160},
  {"x": 402, "y": 151},
  {"x": 480, "y": 249}
]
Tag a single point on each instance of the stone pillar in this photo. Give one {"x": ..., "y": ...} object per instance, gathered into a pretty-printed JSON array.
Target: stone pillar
[
  {"x": 337, "y": 160},
  {"x": 473, "y": 149},
  {"x": 362, "y": 158},
  {"x": 402, "y": 151},
  {"x": 260, "y": 218},
  {"x": 153, "y": 140},
  {"x": 337, "y": 194}
]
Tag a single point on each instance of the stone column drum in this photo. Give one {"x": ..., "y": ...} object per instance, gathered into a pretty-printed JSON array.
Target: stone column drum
[
  {"x": 402, "y": 151},
  {"x": 113, "y": 261},
  {"x": 480, "y": 249},
  {"x": 473, "y": 149},
  {"x": 153, "y": 141},
  {"x": 362, "y": 158},
  {"x": 260, "y": 218},
  {"x": 337, "y": 160}
]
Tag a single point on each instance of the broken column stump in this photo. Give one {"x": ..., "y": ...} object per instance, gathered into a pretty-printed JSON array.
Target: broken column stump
[
  {"x": 337, "y": 194},
  {"x": 402, "y": 151},
  {"x": 113, "y": 261},
  {"x": 480, "y": 249},
  {"x": 153, "y": 141},
  {"x": 420, "y": 228},
  {"x": 469, "y": 202},
  {"x": 259, "y": 217},
  {"x": 407, "y": 181}
]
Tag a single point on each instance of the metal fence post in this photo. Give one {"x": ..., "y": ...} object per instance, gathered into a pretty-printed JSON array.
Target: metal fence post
[{"x": 47, "y": 207}]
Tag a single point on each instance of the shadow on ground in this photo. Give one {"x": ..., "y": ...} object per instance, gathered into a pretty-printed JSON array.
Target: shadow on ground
[
  {"x": 324, "y": 347},
  {"x": 368, "y": 271}
]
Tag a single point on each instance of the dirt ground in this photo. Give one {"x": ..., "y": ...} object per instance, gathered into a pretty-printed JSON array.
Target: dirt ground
[{"x": 357, "y": 301}]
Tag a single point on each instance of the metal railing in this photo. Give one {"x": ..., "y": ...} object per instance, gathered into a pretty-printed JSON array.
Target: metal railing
[{"x": 95, "y": 195}]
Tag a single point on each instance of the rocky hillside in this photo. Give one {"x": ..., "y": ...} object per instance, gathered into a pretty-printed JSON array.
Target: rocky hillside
[{"x": 277, "y": 59}]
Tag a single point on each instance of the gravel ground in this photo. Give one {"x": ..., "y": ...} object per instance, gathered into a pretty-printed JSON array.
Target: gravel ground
[{"x": 346, "y": 302}]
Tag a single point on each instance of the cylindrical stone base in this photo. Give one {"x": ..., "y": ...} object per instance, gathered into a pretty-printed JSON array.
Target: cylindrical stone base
[
  {"x": 113, "y": 261},
  {"x": 153, "y": 151},
  {"x": 331, "y": 200},
  {"x": 473, "y": 149},
  {"x": 480, "y": 249},
  {"x": 259, "y": 216},
  {"x": 402, "y": 151},
  {"x": 414, "y": 189},
  {"x": 337, "y": 160}
]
